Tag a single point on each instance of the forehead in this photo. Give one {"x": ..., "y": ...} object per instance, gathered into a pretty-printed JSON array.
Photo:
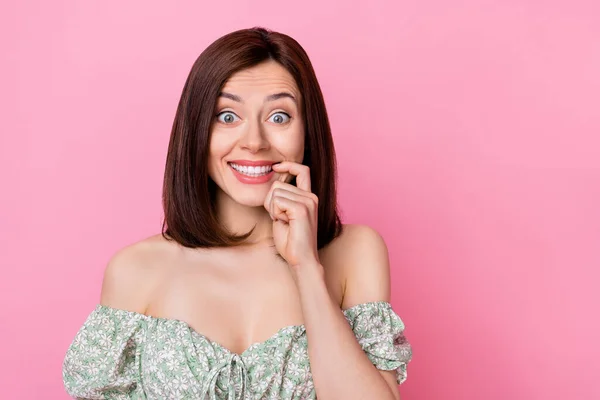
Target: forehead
[{"x": 264, "y": 78}]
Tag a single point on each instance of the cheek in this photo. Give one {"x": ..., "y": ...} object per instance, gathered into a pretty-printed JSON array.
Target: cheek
[
  {"x": 291, "y": 145},
  {"x": 220, "y": 146},
  {"x": 299, "y": 147}
]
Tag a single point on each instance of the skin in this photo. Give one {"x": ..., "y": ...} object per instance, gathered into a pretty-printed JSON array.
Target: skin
[{"x": 242, "y": 295}]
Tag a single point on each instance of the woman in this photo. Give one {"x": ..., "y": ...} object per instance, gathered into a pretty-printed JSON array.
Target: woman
[{"x": 241, "y": 295}]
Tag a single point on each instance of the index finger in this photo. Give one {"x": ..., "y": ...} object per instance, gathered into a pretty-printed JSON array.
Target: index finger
[{"x": 300, "y": 171}]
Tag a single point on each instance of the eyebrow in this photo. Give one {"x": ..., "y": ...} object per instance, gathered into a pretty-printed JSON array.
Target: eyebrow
[
  {"x": 280, "y": 95},
  {"x": 271, "y": 97},
  {"x": 230, "y": 96}
]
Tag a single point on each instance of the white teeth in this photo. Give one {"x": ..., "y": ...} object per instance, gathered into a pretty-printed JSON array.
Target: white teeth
[{"x": 250, "y": 170}]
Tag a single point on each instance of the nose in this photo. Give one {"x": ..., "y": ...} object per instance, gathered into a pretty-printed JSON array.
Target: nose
[{"x": 253, "y": 139}]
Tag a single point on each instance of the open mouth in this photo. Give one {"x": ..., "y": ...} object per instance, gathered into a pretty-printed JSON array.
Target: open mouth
[{"x": 252, "y": 171}]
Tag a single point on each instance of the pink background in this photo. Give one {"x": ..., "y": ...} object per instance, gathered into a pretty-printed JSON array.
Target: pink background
[{"x": 467, "y": 134}]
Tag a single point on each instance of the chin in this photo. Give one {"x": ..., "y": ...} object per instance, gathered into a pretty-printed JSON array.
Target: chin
[{"x": 255, "y": 199}]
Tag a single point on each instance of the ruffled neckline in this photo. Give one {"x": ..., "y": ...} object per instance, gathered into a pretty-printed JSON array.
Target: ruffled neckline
[{"x": 295, "y": 330}]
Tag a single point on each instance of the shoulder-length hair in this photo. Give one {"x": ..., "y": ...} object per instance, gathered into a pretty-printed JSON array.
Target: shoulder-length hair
[{"x": 190, "y": 216}]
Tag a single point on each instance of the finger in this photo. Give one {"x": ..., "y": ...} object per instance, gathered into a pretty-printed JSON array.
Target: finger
[
  {"x": 300, "y": 171},
  {"x": 291, "y": 188},
  {"x": 286, "y": 209},
  {"x": 308, "y": 202},
  {"x": 298, "y": 197}
]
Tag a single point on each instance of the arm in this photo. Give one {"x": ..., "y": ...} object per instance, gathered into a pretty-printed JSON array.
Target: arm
[{"x": 340, "y": 367}]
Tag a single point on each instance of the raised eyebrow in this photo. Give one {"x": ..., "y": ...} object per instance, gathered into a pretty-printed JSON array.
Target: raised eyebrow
[
  {"x": 231, "y": 96},
  {"x": 280, "y": 95},
  {"x": 272, "y": 97}
]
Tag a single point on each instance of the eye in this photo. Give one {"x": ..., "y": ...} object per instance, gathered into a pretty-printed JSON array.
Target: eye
[
  {"x": 227, "y": 117},
  {"x": 279, "y": 118}
]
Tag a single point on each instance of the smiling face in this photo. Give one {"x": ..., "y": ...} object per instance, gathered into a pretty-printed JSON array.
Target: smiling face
[{"x": 257, "y": 123}]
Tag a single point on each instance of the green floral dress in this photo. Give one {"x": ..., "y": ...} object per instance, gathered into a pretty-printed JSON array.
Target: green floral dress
[{"x": 120, "y": 355}]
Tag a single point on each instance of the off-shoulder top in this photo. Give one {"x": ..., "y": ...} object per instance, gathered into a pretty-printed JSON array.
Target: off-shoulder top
[{"x": 119, "y": 354}]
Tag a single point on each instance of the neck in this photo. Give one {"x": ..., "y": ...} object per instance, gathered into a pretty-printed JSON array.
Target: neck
[{"x": 240, "y": 219}]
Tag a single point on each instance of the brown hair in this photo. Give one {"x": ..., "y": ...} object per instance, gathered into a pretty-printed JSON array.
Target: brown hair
[{"x": 188, "y": 191}]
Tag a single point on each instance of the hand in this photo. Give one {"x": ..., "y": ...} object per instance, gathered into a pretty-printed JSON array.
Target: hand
[{"x": 294, "y": 211}]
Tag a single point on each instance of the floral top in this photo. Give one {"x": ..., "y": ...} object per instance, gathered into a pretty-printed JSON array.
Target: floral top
[{"x": 119, "y": 354}]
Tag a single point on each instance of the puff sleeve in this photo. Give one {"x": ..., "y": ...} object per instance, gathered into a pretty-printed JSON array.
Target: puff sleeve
[
  {"x": 103, "y": 361},
  {"x": 380, "y": 332}
]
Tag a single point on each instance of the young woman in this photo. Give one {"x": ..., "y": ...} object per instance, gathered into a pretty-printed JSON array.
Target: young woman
[{"x": 241, "y": 295}]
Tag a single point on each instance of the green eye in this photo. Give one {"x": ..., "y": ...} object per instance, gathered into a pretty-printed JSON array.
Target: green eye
[
  {"x": 279, "y": 118},
  {"x": 227, "y": 117}
]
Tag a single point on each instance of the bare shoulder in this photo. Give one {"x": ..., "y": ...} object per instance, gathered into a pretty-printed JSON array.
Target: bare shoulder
[
  {"x": 359, "y": 256},
  {"x": 133, "y": 272}
]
